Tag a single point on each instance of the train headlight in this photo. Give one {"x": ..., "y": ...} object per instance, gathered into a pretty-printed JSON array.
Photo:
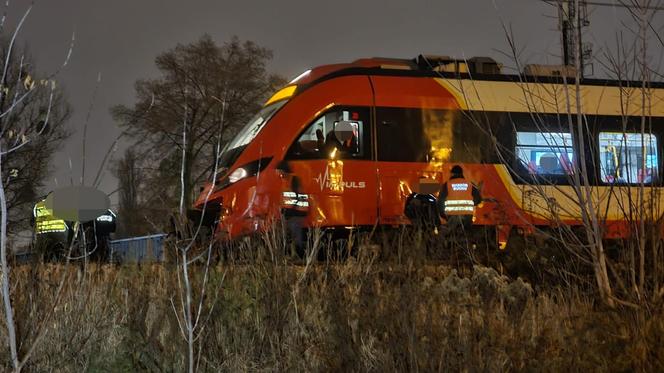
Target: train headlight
[
  {"x": 246, "y": 170},
  {"x": 237, "y": 175}
]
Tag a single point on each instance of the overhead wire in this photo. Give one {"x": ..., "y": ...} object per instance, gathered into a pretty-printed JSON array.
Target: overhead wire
[{"x": 618, "y": 4}]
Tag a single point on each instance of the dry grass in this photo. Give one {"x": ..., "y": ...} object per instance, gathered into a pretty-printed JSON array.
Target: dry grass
[{"x": 266, "y": 314}]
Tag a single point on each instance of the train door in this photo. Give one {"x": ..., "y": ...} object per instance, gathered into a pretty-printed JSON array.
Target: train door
[
  {"x": 402, "y": 153},
  {"x": 332, "y": 165},
  {"x": 405, "y": 144}
]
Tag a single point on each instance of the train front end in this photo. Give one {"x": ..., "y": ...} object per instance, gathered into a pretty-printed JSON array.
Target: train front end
[{"x": 239, "y": 201}]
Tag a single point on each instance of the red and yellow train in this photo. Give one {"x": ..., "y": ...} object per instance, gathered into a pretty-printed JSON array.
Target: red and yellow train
[{"x": 345, "y": 145}]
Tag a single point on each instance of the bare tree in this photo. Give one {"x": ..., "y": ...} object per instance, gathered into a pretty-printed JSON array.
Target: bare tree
[
  {"x": 26, "y": 115},
  {"x": 129, "y": 175},
  {"x": 640, "y": 210},
  {"x": 194, "y": 76},
  {"x": 23, "y": 127},
  {"x": 637, "y": 200},
  {"x": 191, "y": 313}
]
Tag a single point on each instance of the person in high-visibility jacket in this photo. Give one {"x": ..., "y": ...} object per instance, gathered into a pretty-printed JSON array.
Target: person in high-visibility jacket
[{"x": 457, "y": 199}]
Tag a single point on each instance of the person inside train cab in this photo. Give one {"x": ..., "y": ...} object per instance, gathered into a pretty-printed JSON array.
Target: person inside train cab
[
  {"x": 342, "y": 137},
  {"x": 457, "y": 199}
]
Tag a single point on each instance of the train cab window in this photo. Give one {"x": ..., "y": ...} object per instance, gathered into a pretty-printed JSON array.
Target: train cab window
[
  {"x": 341, "y": 133},
  {"x": 628, "y": 158},
  {"x": 548, "y": 154}
]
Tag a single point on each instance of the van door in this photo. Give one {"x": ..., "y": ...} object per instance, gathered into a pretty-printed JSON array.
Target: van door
[{"x": 332, "y": 163}]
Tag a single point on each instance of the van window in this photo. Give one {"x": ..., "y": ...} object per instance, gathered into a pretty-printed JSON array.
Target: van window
[
  {"x": 545, "y": 153},
  {"x": 341, "y": 133},
  {"x": 401, "y": 135},
  {"x": 628, "y": 157}
]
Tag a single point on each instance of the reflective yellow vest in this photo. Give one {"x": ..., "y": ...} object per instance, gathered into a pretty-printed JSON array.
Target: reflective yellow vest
[
  {"x": 459, "y": 199},
  {"x": 45, "y": 222}
]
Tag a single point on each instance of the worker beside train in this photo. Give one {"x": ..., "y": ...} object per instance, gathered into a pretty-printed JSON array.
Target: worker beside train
[
  {"x": 457, "y": 200},
  {"x": 456, "y": 203}
]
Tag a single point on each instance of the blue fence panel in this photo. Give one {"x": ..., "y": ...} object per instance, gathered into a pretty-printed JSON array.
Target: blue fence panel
[{"x": 138, "y": 249}]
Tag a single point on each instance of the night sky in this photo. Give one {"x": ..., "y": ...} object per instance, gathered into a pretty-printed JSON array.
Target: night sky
[{"x": 119, "y": 39}]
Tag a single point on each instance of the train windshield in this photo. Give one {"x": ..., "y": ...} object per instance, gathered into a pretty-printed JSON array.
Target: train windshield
[{"x": 234, "y": 148}]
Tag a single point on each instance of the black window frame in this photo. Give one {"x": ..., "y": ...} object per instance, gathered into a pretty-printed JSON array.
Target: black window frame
[
  {"x": 366, "y": 136},
  {"x": 541, "y": 123},
  {"x": 629, "y": 124}
]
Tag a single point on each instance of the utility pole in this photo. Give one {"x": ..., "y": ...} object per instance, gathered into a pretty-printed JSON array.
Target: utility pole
[{"x": 571, "y": 26}]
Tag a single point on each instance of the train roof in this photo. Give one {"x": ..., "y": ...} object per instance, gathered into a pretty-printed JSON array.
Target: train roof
[
  {"x": 476, "y": 68},
  {"x": 478, "y": 84}
]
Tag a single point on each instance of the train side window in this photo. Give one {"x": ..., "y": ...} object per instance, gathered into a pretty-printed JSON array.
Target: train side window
[
  {"x": 341, "y": 133},
  {"x": 628, "y": 158},
  {"x": 401, "y": 135},
  {"x": 545, "y": 153}
]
